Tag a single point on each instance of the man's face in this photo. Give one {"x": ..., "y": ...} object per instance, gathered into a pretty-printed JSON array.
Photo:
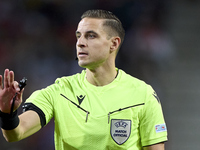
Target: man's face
[{"x": 93, "y": 45}]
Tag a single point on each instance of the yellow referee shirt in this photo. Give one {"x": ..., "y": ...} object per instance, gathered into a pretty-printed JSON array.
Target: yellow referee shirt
[{"x": 123, "y": 115}]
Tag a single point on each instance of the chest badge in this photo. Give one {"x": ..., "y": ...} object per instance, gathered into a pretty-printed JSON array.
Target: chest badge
[{"x": 120, "y": 130}]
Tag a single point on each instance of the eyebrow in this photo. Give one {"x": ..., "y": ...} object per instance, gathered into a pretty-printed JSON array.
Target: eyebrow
[{"x": 90, "y": 31}]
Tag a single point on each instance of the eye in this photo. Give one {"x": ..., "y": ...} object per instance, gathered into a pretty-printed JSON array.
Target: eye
[
  {"x": 91, "y": 36},
  {"x": 78, "y": 36}
]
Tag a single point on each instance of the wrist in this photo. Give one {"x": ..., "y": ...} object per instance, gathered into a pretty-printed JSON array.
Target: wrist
[{"x": 8, "y": 121}]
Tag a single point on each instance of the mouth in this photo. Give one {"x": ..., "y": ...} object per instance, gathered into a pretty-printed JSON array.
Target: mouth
[{"x": 81, "y": 54}]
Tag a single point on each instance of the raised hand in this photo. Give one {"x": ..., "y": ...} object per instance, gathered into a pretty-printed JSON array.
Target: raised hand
[{"x": 8, "y": 89}]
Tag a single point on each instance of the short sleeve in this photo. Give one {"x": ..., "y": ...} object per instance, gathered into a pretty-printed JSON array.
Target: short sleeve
[
  {"x": 152, "y": 124},
  {"x": 44, "y": 100}
]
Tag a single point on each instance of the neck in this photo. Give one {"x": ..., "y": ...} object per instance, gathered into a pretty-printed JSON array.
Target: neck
[{"x": 101, "y": 76}]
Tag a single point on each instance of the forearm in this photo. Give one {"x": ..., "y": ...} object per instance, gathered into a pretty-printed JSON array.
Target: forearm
[
  {"x": 12, "y": 135},
  {"x": 29, "y": 123}
]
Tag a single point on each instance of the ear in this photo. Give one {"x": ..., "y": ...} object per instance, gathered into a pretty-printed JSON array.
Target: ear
[{"x": 115, "y": 42}]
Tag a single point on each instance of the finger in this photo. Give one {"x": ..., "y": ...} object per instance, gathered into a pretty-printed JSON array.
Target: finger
[
  {"x": 16, "y": 86},
  {"x": 21, "y": 93},
  {"x": 6, "y": 78},
  {"x": 19, "y": 96},
  {"x": 1, "y": 84},
  {"x": 11, "y": 77}
]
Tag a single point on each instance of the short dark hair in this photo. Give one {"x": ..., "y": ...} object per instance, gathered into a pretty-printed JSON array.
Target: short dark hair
[{"x": 110, "y": 21}]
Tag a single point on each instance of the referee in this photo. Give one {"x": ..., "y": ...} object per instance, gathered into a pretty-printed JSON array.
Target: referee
[{"x": 101, "y": 108}]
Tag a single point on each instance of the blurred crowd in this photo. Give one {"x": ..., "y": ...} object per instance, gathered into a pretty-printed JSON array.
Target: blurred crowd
[{"x": 37, "y": 40}]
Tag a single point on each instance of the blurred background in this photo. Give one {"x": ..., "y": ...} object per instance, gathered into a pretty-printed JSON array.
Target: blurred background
[{"x": 162, "y": 47}]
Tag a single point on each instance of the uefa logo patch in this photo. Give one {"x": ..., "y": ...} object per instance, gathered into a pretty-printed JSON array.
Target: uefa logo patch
[{"x": 120, "y": 130}]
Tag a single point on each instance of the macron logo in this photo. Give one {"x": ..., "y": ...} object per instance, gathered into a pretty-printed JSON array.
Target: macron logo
[{"x": 80, "y": 99}]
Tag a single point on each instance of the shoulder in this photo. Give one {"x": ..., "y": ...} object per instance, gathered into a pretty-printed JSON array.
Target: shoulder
[
  {"x": 63, "y": 83},
  {"x": 131, "y": 80},
  {"x": 137, "y": 86},
  {"x": 68, "y": 80}
]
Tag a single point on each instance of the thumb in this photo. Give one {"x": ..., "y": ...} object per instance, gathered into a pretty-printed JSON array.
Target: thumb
[{"x": 16, "y": 86}]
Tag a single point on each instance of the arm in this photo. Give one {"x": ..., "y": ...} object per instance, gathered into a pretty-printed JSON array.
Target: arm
[
  {"x": 159, "y": 146},
  {"x": 152, "y": 126},
  {"x": 29, "y": 121},
  {"x": 29, "y": 124}
]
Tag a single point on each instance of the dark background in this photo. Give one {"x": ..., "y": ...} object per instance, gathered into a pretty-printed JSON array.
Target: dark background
[{"x": 162, "y": 47}]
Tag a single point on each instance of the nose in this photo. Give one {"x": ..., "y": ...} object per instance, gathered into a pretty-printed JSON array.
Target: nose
[{"x": 81, "y": 42}]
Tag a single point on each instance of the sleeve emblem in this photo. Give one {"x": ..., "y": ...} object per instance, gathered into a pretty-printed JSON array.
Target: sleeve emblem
[{"x": 160, "y": 128}]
